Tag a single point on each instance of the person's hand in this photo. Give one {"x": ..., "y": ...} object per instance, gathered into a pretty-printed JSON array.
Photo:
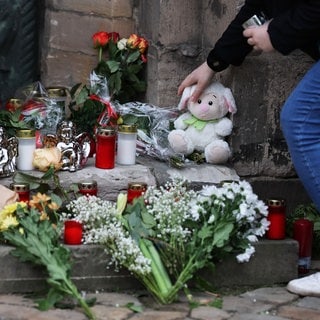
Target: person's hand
[
  {"x": 201, "y": 77},
  {"x": 259, "y": 38}
]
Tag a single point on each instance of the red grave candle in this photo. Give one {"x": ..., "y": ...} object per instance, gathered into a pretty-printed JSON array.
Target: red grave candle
[
  {"x": 88, "y": 188},
  {"x": 303, "y": 233},
  {"x": 72, "y": 232},
  {"x": 23, "y": 191},
  {"x": 277, "y": 219},
  {"x": 135, "y": 190},
  {"x": 105, "y": 148}
]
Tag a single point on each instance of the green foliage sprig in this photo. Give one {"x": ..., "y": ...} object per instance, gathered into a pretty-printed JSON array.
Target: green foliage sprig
[{"x": 37, "y": 240}]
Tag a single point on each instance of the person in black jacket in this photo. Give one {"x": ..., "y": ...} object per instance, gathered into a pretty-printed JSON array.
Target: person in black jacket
[{"x": 289, "y": 25}]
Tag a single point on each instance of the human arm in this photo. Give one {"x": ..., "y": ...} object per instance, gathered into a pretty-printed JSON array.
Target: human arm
[
  {"x": 234, "y": 45},
  {"x": 201, "y": 76},
  {"x": 297, "y": 27}
]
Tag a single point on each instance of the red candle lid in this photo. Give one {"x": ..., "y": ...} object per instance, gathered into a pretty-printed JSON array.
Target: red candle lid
[
  {"x": 137, "y": 186},
  {"x": 276, "y": 202}
]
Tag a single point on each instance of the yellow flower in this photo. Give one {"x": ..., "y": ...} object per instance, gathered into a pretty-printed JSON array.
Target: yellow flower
[
  {"x": 9, "y": 209},
  {"x": 43, "y": 216},
  {"x": 39, "y": 200},
  {"x": 53, "y": 206},
  {"x": 9, "y": 221}
]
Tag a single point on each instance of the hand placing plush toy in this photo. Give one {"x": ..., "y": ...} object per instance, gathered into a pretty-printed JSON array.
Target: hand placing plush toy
[{"x": 205, "y": 124}]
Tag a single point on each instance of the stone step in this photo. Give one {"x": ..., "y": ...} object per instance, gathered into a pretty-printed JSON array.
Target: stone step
[{"x": 274, "y": 262}]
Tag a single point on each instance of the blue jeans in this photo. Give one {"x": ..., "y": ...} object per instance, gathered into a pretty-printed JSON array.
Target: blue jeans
[{"x": 300, "y": 122}]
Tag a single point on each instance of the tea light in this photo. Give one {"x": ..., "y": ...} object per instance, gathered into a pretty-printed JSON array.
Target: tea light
[
  {"x": 89, "y": 188},
  {"x": 277, "y": 219},
  {"x": 135, "y": 190},
  {"x": 72, "y": 232},
  {"x": 23, "y": 191}
]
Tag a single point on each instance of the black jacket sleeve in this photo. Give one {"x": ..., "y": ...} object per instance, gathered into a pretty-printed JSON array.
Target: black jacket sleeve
[
  {"x": 232, "y": 47},
  {"x": 295, "y": 24},
  {"x": 298, "y": 27}
]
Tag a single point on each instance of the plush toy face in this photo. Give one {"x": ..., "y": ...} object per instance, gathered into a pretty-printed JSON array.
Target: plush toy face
[
  {"x": 214, "y": 103},
  {"x": 210, "y": 106}
]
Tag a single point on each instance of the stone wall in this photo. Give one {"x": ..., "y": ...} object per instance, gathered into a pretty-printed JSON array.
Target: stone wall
[
  {"x": 67, "y": 52},
  {"x": 180, "y": 34}
]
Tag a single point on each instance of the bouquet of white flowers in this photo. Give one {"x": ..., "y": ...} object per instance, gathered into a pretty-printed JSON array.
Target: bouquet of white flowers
[{"x": 172, "y": 232}]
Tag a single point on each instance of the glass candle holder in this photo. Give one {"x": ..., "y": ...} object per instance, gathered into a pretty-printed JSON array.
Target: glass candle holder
[
  {"x": 26, "y": 147},
  {"x": 277, "y": 219},
  {"x": 72, "y": 232},
  {"x": 303, "y": 233},
  {"x": 88, "y": 188},
  {"x": 105, "y": 148},
  {"x": 126, "y": 144},
  {"x": 135, "y": 190},
  {"x": 22, "y": 189},
  {"x": 59, "y": 95}
]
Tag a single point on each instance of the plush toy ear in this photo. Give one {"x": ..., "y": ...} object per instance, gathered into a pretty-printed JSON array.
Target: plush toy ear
[
  {"x": 229, "y": 100},
  {"x": 186, "y": 94}
]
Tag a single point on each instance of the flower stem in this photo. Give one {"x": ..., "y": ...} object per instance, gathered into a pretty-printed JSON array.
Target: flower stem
[
  {"x": 73, "y": 291},
  {"x": 161, "y": 286},
  {"x": 100, "y": 54}
]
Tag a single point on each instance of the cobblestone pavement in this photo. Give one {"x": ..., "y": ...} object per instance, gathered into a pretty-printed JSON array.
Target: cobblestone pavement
[{"x": 274, "y": 303}]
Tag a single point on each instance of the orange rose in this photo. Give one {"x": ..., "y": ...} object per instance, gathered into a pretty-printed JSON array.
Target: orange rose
[
  {"x": 133, "y": 41},
  {"x": 100, "y": 39},
  {"x": 143, "y": 45},
  {"x": 114, "y": 36}
]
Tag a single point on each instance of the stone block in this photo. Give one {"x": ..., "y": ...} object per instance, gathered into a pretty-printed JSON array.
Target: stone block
[
  {"x": 90, "y": 272},
  {"x": 69, "y": 31},
  {"x": 111, "y": 8},
  {"x": 110, "y": 181},
  {"x": 274, "y": 262},
  {"x": 259, "y": 148},
  {"x": 67, "y": 68}
]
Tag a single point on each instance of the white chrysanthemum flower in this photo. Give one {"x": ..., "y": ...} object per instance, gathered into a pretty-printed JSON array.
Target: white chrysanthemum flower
[
  {"x": 245, "y": 257},
  {"x": 208, "y": 191},
  {"x": 252, "y": 238}
]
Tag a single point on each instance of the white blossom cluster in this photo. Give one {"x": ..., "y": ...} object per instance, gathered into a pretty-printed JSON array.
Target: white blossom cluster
[
  {"x": 101, "y": 225},
  {"x": 236, "y": 200},
  {"x": 231, "y": 215},
  {"x": 171, "y": 206}
]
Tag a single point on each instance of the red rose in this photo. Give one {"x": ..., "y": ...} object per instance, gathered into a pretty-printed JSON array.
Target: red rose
[
  {"x": 100, "y": 39},
  {"x": 114, "y": 36}
]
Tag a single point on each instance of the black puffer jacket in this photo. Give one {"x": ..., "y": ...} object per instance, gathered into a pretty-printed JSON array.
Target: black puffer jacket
[{"x": 295, "y": 25}]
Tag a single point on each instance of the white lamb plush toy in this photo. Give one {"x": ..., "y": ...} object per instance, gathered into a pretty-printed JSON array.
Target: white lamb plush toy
[{"x": 205, "y": 125}]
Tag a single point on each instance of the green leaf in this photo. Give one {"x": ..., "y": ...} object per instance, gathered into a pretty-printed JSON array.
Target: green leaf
[
  {"x": 221, "y": 234},
  {"x": 49, "y": 302},
  {"x": 133, "y": 307},
  {"x": 133, "y": 56},
  {"x": 114, "y": 66},
  {"x": 134, "y": 68},
  {"x": 55, "y": 198}
]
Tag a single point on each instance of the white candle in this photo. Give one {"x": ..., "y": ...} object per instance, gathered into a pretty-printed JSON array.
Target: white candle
[
  {"x": 26, "y": 147},
  {"x": 126, "y": 144}
]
